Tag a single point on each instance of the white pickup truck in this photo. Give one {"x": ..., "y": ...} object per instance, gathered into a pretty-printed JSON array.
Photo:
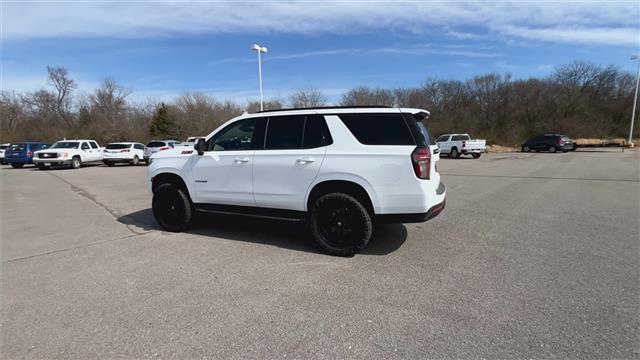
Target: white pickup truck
[
  {"x": 455, "y": 145},
  {"x": 72, "y": 153}
]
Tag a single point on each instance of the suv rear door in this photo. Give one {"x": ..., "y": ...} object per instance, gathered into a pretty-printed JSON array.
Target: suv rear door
[{"x": 294, "y": 149}]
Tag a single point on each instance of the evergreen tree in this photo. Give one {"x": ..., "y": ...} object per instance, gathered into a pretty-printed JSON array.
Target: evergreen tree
[{"x": 161, "y": 124}]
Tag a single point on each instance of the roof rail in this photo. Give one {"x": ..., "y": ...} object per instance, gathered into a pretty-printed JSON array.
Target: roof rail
[{"x": 328, "y": 107}]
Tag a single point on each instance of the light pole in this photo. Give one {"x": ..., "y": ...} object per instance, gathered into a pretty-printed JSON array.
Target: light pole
[
  {"x": 635, "y": 98},
  {"x": 260, "y": 50}
]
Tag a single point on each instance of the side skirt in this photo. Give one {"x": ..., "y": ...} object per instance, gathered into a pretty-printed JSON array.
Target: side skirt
[{"x": 258, "y": 212}]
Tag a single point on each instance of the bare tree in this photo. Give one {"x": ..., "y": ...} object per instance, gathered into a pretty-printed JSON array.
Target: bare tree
[
  {"x": 307, "y": 97},
  {"x": 59, "y": 78},
  {"x": 366, "y": 96}
]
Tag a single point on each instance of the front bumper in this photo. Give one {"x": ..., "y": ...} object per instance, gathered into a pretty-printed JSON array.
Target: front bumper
[{"x": 52, "y": 161}]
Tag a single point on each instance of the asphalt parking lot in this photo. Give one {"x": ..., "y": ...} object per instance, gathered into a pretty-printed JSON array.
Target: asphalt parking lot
[{"x": 535, "y": 256}]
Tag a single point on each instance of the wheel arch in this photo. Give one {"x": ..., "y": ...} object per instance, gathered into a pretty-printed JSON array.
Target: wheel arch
[
  {"x": 357, "y": 189},
  {"x": 164, "y": 177}
]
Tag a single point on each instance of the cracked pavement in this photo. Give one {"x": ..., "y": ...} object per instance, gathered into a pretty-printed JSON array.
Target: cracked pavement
[{"x": 535, "y": 256}]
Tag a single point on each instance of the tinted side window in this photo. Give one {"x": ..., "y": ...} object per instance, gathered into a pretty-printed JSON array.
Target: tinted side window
[
  {"x": 93, "y": 144},
  {"x": 85, "y": 146},
  {"x": 138, "y": 146},
  {"x": 459, "y": 137},
  {"x": 378, "y": 129},
  {"x": 285, "y": 132},
  {"x": 245, "y": 134},
  {"x": 442, "y": 138},
  {"x": 316, "y": 132}
]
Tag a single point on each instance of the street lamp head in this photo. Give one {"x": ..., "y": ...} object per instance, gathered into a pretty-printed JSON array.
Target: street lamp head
[{"x": 259, "y": 48}]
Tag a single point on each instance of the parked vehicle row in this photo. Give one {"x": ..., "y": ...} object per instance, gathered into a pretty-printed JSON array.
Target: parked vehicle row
[{"x": 78, "y": 152}]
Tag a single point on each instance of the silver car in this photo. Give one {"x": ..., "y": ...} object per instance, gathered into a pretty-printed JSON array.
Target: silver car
[{"x": 155, "y": 146}]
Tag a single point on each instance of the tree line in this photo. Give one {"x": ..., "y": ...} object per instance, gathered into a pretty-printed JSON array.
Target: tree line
[{"x": 579, "y": 99}]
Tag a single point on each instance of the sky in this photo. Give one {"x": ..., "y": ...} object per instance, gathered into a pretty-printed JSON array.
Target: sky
[{"x": 159, "y": 50}]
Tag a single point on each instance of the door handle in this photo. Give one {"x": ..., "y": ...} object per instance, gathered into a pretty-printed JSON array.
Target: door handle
[
  {"x": 304, "y": 160},
  {"x": 241, "y": 160}
]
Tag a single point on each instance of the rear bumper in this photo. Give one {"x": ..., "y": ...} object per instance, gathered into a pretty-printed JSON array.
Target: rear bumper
[
  {"x": 472, "y": 151},
  {"x": 115, "y": 160},
  {"x": 17, "y": 161},
  {"x": 411, "y": 218}
]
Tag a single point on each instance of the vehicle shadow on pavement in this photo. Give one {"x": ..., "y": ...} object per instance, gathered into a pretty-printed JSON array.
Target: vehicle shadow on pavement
[{"x": 386, "y": 238}]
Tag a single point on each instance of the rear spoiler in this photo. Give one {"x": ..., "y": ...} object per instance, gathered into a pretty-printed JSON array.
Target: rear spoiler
[{"x": 419, "y": 114}]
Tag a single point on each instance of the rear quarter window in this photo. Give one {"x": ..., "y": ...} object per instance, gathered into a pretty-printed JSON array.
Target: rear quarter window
[
  {"x": 378, "y": 129},
  {"x": 155, "y": 144}
]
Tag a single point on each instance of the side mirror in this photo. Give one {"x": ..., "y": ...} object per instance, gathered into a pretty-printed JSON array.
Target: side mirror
[{"x": 200, "y": 146}]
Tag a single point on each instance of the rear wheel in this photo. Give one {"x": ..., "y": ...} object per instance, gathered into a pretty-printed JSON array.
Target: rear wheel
[
  {"x": 17, "y": 166},
  {"x": 526, "y": 148},
  {"x": 552, "y": 149},
  {"x": 76, "y": 162},
  {"x": 475, "y": 156},
  {"x": 454, "y": 153},
  {"x": 340, "y": 224},
  {"x": 109, "y": 163},
  {"x": 172, "y": 208},
  {"x": 135, "y": 161}
]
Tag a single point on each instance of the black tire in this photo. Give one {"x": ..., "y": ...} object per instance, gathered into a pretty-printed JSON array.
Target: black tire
[
  {"x": 17, "y": 166},
  {"x": 340, "y": 224},
  {"x": 109, "y": 163},
  {"x": 552, "y": 149},
  {"x": 476, "y": 156},
  {"x": 526, "y": 148},
  {"x": 135, "y": 161},
  {"x": 76, "y": 163},
  {"x": 42, "y": 167},
  {"x": 454, "y": 153},
  {"x": 172, "y": 208}
]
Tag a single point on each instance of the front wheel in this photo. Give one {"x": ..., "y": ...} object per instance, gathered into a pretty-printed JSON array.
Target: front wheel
[
  {"x": 454, "y": 153},
  {"x": 172, "y": 208},
  {"x": 526, "y": 148},
  {"x": 475, "y": 156},
  {"x": 42, "y": 167},
  {"x": 552, "y": 149},
  {"x": 109, "y": 163},
  {"x": 340, "y": 224},
  {"x": 76, "y": 163},
  {"x": 17, "y": 166},
  {"x": 135, "y": 161}
]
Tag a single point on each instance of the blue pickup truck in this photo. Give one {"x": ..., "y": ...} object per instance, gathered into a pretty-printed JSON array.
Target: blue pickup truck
[{"x": 19, "y": 154}]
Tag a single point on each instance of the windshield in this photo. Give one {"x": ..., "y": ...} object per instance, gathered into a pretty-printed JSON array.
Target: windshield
[
  {"x": 65, "y": 145},
  {"x": 2, "y": 147},
  {"x": 118, "y": 146}
]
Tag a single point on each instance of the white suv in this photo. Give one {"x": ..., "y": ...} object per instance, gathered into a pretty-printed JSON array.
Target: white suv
[
  {"x": 123, "y": 152},
  {"x": 72, "y": 153},
  {"x": 341, "y": 169}
]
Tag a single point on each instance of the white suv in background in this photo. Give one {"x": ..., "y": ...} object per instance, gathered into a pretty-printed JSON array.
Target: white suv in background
[
  {"x": 123, "y": 152},
  {"x": 341, "y": 169},
  {"x": 3, "y": 147},
  {"x": 72, "y": 153}
]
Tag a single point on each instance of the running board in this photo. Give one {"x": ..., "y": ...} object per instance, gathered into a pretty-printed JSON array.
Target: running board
[{"x": 256, "y": 212}]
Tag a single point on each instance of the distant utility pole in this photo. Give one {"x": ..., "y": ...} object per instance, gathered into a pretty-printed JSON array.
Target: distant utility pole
[
  {"x": 635, "y": 98},
  {"x": 260, "y": 50}
]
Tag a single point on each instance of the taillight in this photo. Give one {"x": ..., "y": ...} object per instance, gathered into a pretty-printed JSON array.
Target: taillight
[
  {"x": 464, "y": 143},
  {"x": 559, "y": 141},
  {"x": 421, "y": 158},
  {"x": 164, "y": 148},
  {"x": 29, "y": 153}
]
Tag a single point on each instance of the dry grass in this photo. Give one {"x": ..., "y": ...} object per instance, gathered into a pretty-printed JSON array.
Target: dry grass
[
  {"x": 501, "y": 149},
  {"x": 601, "y": 142}
]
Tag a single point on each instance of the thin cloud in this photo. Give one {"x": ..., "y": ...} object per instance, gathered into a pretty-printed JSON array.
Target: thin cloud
[{"x": 588, "y": 22}]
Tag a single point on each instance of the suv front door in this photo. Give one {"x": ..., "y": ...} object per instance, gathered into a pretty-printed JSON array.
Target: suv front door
[
  {"x": 294, "y": 149},
  {"x": 223, "y": 175}
]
